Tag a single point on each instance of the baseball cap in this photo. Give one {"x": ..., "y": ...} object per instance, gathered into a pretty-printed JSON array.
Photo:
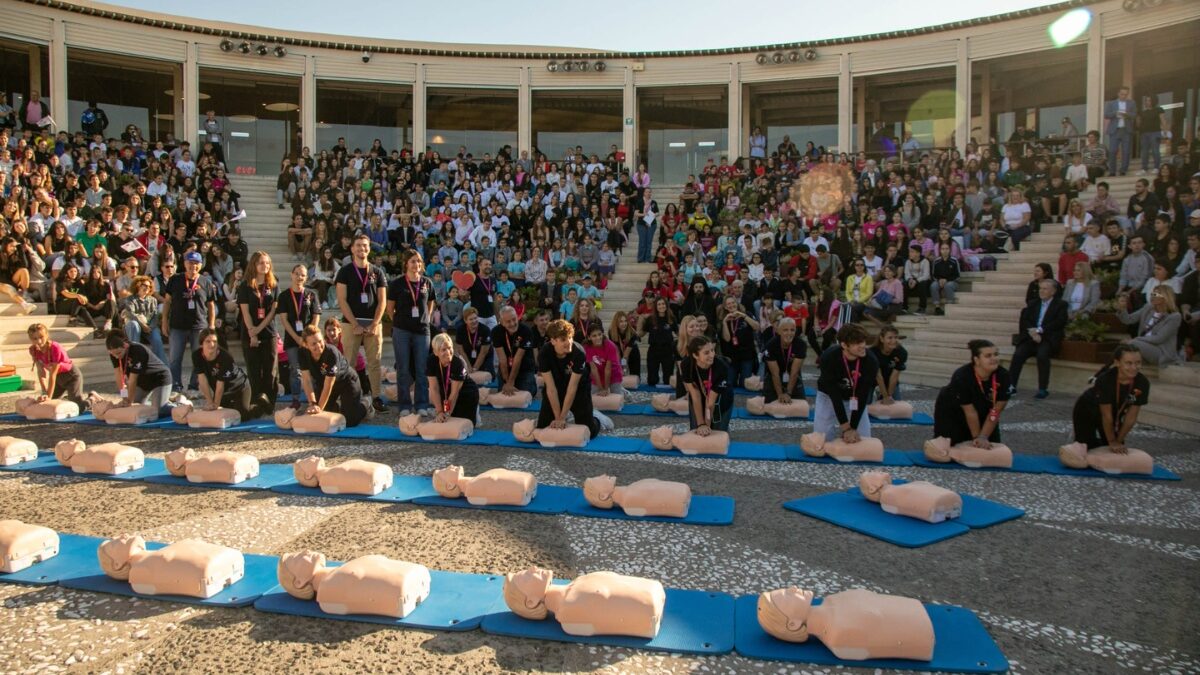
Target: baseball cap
[{"x": 193, "y": 256}]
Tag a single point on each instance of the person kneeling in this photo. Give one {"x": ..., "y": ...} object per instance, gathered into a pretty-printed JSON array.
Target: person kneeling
[
  {"x": 340, "y": 388},
  {"x": 564, "y": 370},
  {"x": 223, "y": 383}
]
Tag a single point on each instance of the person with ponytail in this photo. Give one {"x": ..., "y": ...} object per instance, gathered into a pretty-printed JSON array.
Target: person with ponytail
[
  {"x": 1108, "y": 410},
  {"x": 969, "y": 407}
]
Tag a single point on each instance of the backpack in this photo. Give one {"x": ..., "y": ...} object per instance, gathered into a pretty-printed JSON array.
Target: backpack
[
  {"x": 987, "y": 263},
  {"x": 88, "y": 118}
]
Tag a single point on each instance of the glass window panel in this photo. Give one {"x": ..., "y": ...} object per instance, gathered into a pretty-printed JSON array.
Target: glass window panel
[
  {"x": 803, "y": 110},
  {"x": 362, "y": 112},
  {"x": 680, "y": 129},
  {"x": 129, "y": 90},
  {"x": 479, "y": 120},
  {"x": 564, "y": 119},
  {"x": 259, "y": 115}
]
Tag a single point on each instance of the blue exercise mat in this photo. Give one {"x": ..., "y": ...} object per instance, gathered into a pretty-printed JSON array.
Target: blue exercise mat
[
  {"x": 268, "y": 476},
  {"x": 403, "y": 489},
  {"x": 360, "y": 432},
  {"x": 738, "y": 391},
  {"x": 704, "y": 510},
  {"x": 890, "y": 458},
  {"x": 456, "y": 602},
  {"x": 74, "y": 553},
  {"x": 977, "y": 512},
  {"x": 855, "y": 513},
  {"x": 260, "y": 578},
  {"x": 1051, "y": 464},
  {"x": 694, "y": 622},
  {"x": 1021, "y": 463},
  {"x": 918, "y": 419},
  {"x": 549, "y": 500},
  {"x": 961, "y": 643},
  {"x": 44, "y": 459},
  {"x": 737, "y": 450},
  {"x": 152, "y": 467}
]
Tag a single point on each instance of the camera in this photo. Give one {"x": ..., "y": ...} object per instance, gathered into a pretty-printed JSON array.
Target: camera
[{"x": 366, "y": 57}]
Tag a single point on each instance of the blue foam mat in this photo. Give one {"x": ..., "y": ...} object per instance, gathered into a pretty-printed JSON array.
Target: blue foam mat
[
  {"x": 43, "y": 459},
  {"x": 260, "y": 578},
  {"x": 961, "y": 644},
  {"x": 404, "y": 489},
  {"x": 855, "y": 513},
  {"x": 918, "y": 419},
  {"x": 152, "y": 467},
  {"x": 890, "y": 458},
  {"x": 1051, "y": 464},
  {"x": 977, "y": 512},
  {"x": 268, "y": 476},
  {"x": 737, "y": 450},
  {"x": 456, "y": 602},
  {"x": 549, "y": 500},
  {"x": 694, "y": 622},
  {"x": 738, "y": 391},
  {"x": 704, "y": 510},
  {"x": 74, "y": 552}
]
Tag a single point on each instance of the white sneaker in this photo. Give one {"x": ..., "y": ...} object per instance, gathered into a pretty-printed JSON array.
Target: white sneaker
[
  {"x": 427, "y": 412},
  {"x": 28, "y": 307},
  {"x": 605, "y": 421}
]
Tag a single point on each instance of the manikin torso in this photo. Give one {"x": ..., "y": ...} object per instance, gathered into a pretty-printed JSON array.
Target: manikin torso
[
  {"x": 653, "y": 497},
  {"x": 896, "y": 410},
  {"x": 865, "y": 450},
  {"x": 690, "y": 443},
  {"x": 22, "y": 545},
  {"x": 520, "y": 398},
  {"x": 1077, "y": 456},
  {"x": 52, "y": 409},
  {"x": 372, "y": 584},
  {"x": 572, "y": 436},
  {"x": 16, "y": 450},
  {"x": 494, "y": 486},
  {"x": 215, "y": 467},
  {"x": 190, "y": 567},
  {"x": 918, "y": 499},
  {"x": 664, "y": 403},
  {"x": 797, "y": 408},
  {"x": 453, "y": 429},
  {"x": 199, "y": 418},
  {"x": 940, "y": 450},
  {"x": 606, "y": 603},
  {"x": 110, "y": 458},
  {"x": 354, "y": 476},
  {"x": 855, "y": 625}
]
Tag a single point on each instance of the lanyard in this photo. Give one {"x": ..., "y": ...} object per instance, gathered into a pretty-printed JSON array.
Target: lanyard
[
  {"x": 362, "y": 277},
  {"x": 417, "y": 292},
  {"x": 191, "y": 289},
  {"x": 473, "y": 338},
  {"x": 993, "y": 414},
  {"x": 510, "y": 353},
  {"x": 707, "y": 381},
  {"x": 1122, "y": 403},
  {"x": 296, "y": 303},
  {"x": 446, "y": 386},
  {"x": 787, "y": 358},
  {"x": 852, "y": 376}
]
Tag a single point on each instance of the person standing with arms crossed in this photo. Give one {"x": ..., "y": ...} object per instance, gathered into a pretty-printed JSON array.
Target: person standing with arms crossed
[
  {"x": 362, "y": 298},
  {"x": 410, "y": 304}
]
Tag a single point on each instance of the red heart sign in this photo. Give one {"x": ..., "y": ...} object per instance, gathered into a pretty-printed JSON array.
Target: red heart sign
[{"x": 463, "y": 280}]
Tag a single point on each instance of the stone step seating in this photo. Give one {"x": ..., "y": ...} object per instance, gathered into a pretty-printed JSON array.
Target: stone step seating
[
  {"x": 87, "y": 352},
  {"x": 265, "y": 225}
]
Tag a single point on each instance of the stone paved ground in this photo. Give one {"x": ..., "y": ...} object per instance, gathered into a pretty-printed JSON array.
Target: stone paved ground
[{"x": 1100, "y": 576}]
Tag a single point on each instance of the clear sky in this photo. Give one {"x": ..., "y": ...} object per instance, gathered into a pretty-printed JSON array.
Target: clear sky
[{"x": 649, "y": 25}]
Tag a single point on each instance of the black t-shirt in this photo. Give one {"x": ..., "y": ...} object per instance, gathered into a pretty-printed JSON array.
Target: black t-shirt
[
  {"x": 967, "y": 390},
  {"x": 896, "y": 360},
  {"x": 473, "y": 342},
  {"x": 660, "y": 334},
  {"x": 509, "y": 344},
  {"x": 741, "y": 344},
  {"x": 260, "y": 302},
  {"x": 302, "y": 308},
  {"x": 138, "y": 360},
  {"x": 189, "y": 301},
  {"x": 483, "y": 296},
  {"x": 783, "y": 356},
  {"x": 363, "y": 289},
  {"x": 457, "y": 373},
  {"x": 222, "y": 369},
  {"x": 714, "y": 378},
  {"x": 561, "y": 369},
  {"x": 841, "y": 379},
  {"x": 409, "y": 295},
  {"x": 1106, "y": 391},
  {"x": 330, "y": 364}
]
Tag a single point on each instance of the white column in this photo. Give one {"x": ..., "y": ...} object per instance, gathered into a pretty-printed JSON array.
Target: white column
[
  {"x": 962, "y": 96},
  {"x": 58, "y": 76},
  {"x": 629, "y": 133},
  {"x": 1095, "y": 76},
  {"x": 308, "y": 103},
  {"x": 419, "y": 123},
  {"x": 738, "y": 144},
  {"x": 845, "y": 105},
  {"x": 35, "y": 71},
  {"x": 524, "y": 114},
  {"x": 189, "y": 97}
]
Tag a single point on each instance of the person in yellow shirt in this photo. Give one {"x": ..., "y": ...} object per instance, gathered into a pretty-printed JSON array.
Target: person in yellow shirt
[
  {"x": 860, "y": 287},
  {"x": 699, "y": 219}
]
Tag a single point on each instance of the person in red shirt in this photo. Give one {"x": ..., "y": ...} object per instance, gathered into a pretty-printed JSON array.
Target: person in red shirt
[
  {"x": 58, "y": 376},
  {"x": 1068, "y": 259},
  {"x": 729, "y": 271}
]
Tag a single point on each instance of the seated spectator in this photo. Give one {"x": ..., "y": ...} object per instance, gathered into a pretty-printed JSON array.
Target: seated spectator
[
  {"x": 1041, "y": 329},
  {"x": 1158, "y": 323},
  {"x": 1082, "y": 292},
  {"x": 1069, "y": 258}
]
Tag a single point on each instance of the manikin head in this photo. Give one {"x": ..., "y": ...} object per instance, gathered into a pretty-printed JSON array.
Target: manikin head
[
  {"x": 598, "y": 490},
  {"x": 177, "y": 460},
  {"x": 118, "y": 555},
  {"x": 409, "y": 423},
  {"x": 448, "y": 481},
  {"x": 783, "y": 613},
  {"x": 65, "y": 450},
  {"x": 524, "y": 430},
  {"x": 525, "y": 592},
  {"x": 938, "y": 449},
  {"x": 813, "y": 444},
  {"x": 871, "y": 483},
  {"x": 308, "y": 470},
  {"x": 301, "y": 573},
  {"x": 661, "y": 437}
]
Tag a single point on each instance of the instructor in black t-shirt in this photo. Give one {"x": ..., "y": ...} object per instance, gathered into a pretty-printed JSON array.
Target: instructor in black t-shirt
[
  {"x": 362, "y": 297},
  {"x": 1106, "y": 413},
  {"x": 784, "y": 358},
  {"x": 223, "y": 383},
  {"x": 323, "y": 365},
  {"x": 297, "y": 308},
  {"x": 513, "y": 343},
  {"x": 847, "y": 376},
  {"x": 483, "y": 294},
  {"x": 189, "y": 306},
  {"x": 566, "y": 381},
  {"x": 410, "y": 304},
  {"x": 138, "y": 371}
]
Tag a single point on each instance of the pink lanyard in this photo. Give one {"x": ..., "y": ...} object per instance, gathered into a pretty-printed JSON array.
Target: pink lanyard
[
  {"x": 853, "y": 376},
  {"x": 446, "y": 387}
]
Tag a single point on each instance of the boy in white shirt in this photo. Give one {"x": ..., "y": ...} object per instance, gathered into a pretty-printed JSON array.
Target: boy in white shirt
[
  {"x": 1077, "y": 173},
  {"x": 873, "y": 263},
  {"x": 1095, "y": 244}
]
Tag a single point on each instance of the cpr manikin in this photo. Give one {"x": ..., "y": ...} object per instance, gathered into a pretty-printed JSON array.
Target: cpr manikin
[
  {"x": 16, "y": 450},
  {"x": 570, "y": 436},
  {"x": 108, "y": 458},
  {"x": 1077, "y": 456},
  {"x": 777, "y": 409},
  {"x": 214, "y": 467},
  {"x": 121, "y": 413},
  {"x": 896, "y": 410},
  {"x": 481, "y": 377},
  {"x": 855, "y": 625},
  {"x": 631, "y": 382},
  {"x": 599, "y": 603},
  {"x": 22, "y": 545},
  {"x": 965, "y": 453},
  {"x": 608, "y": 402},
  {"x": 753, "y": 383},
  {"x": 664, "y": 403},
  {"x": 918, "y": 499},
  {"x": 50, "y": 409},
  {"x": 646, "y": 497},
  {"x": 691, "y": 443},
  {"x": 199, "y": 418},
  {"x": 190, "y": 567},
  {"x": 324, "y": 422},
  {"x": 494, "y": 486},
  {"x": 865, "y": 450},
  {"x": 352, "y": 477},
  {"x": 453, "y": 429},
  {"x": 372, "y": 584},
  {"x": 520, "y": 398}
]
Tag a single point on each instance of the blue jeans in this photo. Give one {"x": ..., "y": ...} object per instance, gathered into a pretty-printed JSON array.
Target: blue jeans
[
  {"x": 293, "y": 354},
  {"x": 741, "y": 369},
  {"x": 133, "y": 331},
  {"x": 1150, "y": 146},
  {"x": 645, "y": 241},
  {"x": 182, "y": 342},
  {"x": 1120, "y": 139},
  {"x": 412, "y": 353}
]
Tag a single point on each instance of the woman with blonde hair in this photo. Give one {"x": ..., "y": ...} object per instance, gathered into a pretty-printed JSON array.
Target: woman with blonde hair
[
  {"x": 1076, "y": 220},
  {"x": 1157, "y": 324},
  {"x": 625, "y": 337},
  {"x": 256, "y": 307}
]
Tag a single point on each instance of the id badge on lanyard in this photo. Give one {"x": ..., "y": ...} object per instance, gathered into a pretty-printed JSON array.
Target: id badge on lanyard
[{"x": 853, "y": 377}]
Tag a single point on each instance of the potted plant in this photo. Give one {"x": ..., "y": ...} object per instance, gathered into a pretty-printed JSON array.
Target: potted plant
[
  {"x": 1106, "y": 314},
  {"x": 1086, "y": 341},
  {"x": 1109, "y": 280}
]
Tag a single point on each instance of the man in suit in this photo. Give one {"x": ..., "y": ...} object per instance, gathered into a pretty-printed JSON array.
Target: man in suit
[
  {"x": 1119, "y": 115},
  {"x": 1043, "y": 325}
]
